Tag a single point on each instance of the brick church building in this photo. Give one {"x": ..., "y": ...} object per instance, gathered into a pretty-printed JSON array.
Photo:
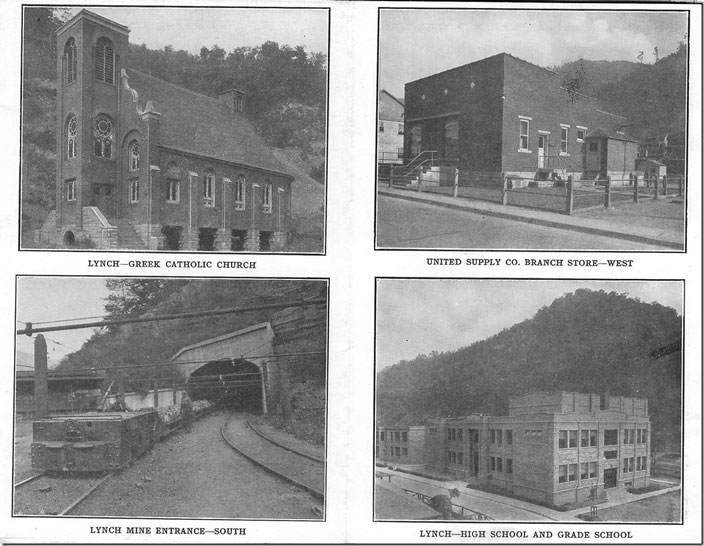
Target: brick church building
[{"x": 146, "y": 164}]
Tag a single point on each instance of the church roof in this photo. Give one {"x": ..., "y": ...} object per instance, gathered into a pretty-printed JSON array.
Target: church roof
[{"x": 202, "y": 125}]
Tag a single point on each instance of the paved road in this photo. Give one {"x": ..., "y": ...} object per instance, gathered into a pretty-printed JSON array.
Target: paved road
[{"x": 405, "y": 224}]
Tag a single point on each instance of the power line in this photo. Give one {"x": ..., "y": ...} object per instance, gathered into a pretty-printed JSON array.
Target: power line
[
  {"x": 29, "y": 329},
  {"x": 183, "y": 362}
]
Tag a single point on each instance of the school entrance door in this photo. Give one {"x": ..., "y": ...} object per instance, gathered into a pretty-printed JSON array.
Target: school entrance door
[
  {"x": 610, "y": 478},
  {"x": 542, "y": 150}
]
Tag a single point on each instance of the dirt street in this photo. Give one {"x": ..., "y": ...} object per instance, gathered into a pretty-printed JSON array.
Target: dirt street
[{"x": 197, "y": 475}]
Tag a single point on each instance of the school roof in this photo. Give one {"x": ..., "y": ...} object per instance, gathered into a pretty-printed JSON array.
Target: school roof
[{"x": 197, "y": 124}]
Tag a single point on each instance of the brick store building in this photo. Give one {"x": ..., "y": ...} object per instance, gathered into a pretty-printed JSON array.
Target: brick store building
[
  {"x": 146, "y": 164},
  {"x": 555, "y": 448},
  {"x": 503, "y": 115}
]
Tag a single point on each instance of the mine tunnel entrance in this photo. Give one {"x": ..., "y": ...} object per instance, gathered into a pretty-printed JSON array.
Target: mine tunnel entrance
[{"x": 235, "y": 384}]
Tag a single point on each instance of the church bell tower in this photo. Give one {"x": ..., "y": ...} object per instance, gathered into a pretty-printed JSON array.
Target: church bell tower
[{"x": 91, "y": 50}]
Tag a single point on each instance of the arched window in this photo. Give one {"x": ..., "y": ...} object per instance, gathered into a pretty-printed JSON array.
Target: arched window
[
  {"x": 240, "y": 192},
  {"x": 71, "y": 136},
  {"x": 173, "y": 183},
  {"x": 209, "y": 188},
  {"x": 103, "y": 136},
  {"x": 133, "y": 156},
  {"x": 70, "y": 64},
  {"x": 104, "y": 61},
  {"x": 266, "y": 198}
]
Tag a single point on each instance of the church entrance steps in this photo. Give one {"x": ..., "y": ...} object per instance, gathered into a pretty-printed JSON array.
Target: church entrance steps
[{"x": 127, "y": 236}]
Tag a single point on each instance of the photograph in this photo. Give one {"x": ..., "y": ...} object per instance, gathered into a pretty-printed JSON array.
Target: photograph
[
  {"x": 532, "y": 129},
  {"x": 529, "y": 400},
  {"x": 174, "y": 129},
  {"x": 170, "y": 398}
]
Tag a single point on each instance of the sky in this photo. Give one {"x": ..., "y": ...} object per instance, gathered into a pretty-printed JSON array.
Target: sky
[
  {"x": 229, "y": 28},
  {"x": 417, "y": 43},
  {"x": 41, "y": 299},
  {"x": 420, "y": 316}
]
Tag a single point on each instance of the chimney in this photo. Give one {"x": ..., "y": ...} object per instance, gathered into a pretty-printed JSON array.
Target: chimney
[{"x": 234, "y": 99}]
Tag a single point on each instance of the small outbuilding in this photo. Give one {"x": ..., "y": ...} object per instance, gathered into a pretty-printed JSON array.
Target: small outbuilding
[{"x": 609, "y": 153}]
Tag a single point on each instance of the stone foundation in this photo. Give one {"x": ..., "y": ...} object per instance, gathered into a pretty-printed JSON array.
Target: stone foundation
[
  {"x": 223, "y": 240},
  {"x": 251, "y": 241},
  {"x": 278, "y": 241},
  {"x": 189, "y": 239}
]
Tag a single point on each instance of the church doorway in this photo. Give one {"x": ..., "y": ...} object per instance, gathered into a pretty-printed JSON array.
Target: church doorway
[
  {"x": 69, "y": 238},
  {"x": 172, "y": 237},
  {"x": 206, "y": 238}
]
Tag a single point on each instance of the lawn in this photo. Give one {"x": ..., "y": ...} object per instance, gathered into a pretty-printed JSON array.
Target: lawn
[{"x": 661, "y": 508}]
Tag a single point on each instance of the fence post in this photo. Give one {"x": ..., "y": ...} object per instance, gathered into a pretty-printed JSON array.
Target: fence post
[
  {"x": 391, "y": 176},
  {"x": 504, "y": 189},
  {"x": 664, "y": 185},
  {"x": 420, "y": 174},
  {"x": 680, "y": 186},
  {"x": 657, "y": 187},
  {"x": 570, "y": 195},
  {"x": 607, "y": 192},
  {"x": 457, "y": 182},
  {"x": 635, "y": 188}
]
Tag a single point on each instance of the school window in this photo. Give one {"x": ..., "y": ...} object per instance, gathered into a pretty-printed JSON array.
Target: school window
[
  {"x": 459, "y": 434},
  {"x": 499, "y": 436},
  {"x": 564, "y": 135},
  {"x": 104, "y": 61},
  {"x": 562, "y": 439},
  {"x": 71, "y": 136},
  {"x": 493, "y": 464},
  {"x": 134, "y": 190},
  {"x": 398, "y": 451},
  {"x": 208, "y": 189},
  {"x": 581, "y": 132},
  {"x": 611, "y": 437},
  {"x": 239, "y": 103},
  {"x": 562, "y": 475},
  {"x": 509, "y": 437},
  {"x": 509, "y": 466},
  {"x": 134, "y": 156},
  {"x": 70, "y": 64},
  {"x": 266, "y": 200},
  {"x": 610, "y": 454},
  {"x": 239, "y": 192},
  {"x": 499, "y": 464},
  {"x": 583, "y": 471},
  {"x": 572, "y": 473},
  {"x": 449, "y": 434},
  {"x": 71, "y": 190},
  {"x": 400, "y": 128},
  {"x": 493, "y": 435},
  {"x": 593, "y": 438},
  {"x": 386, "y": 450},
  {"x": 397, "y": 436},
  {"x": 404, "y": 436},
  {"x": 524, "y": 133},
  {"x": 103, "y": 136},
  {"x": 583, "y": 438},
  {"x": 381, "y": 126},
  {"x": 459, "y": 457},
  {"x": 381, "y": 435},
  {"x": 404, "y": 452},
  {"x": 593, "y": 469},
  {"x": 573, "y": 438},
  {"x": 628, "y": 436}
]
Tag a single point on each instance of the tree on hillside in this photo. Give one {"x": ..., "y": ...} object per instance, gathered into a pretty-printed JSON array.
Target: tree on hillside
[{"x": 586, "y": 341}]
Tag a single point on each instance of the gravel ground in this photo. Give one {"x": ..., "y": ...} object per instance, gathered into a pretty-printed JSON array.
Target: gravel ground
[
  {"x": 305, "y": 471},
  {"x": 197, "y": 475},
  {"x": 23, "y": 450},
  {"x": 665, "y": 508},
  {"x": 50, "y": 495},
  {"x": 288, "y": 439}
]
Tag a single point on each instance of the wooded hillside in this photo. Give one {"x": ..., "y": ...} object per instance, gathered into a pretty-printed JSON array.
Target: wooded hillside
[{"x": 586, "y": 341}]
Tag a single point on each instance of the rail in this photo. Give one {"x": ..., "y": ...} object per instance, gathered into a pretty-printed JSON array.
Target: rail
[
  {"x": 268, "y": 467},
  {"x": 283, "y": 446},
  {"x": 476, "y": 515}
]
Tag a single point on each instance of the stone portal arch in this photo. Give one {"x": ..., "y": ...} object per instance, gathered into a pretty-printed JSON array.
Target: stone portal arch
[
  {"x": 247, "y": 351},
  {"x": 235, "y": 383}
]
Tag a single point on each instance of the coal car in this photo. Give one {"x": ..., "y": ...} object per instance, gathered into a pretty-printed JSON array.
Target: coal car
[{"x": 92, "y": 442}]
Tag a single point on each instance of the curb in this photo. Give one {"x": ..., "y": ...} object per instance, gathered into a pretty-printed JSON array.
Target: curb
[{"x": 540, "y": 221}]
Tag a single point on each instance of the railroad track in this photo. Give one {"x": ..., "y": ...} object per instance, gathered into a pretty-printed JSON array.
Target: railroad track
[
  {"x": 302, "y": 470},
  {"x": 51, "y": 494}
]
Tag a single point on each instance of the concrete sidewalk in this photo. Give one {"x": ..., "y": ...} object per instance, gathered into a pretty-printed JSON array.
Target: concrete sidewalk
[{"x": 660, "y": 231}]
